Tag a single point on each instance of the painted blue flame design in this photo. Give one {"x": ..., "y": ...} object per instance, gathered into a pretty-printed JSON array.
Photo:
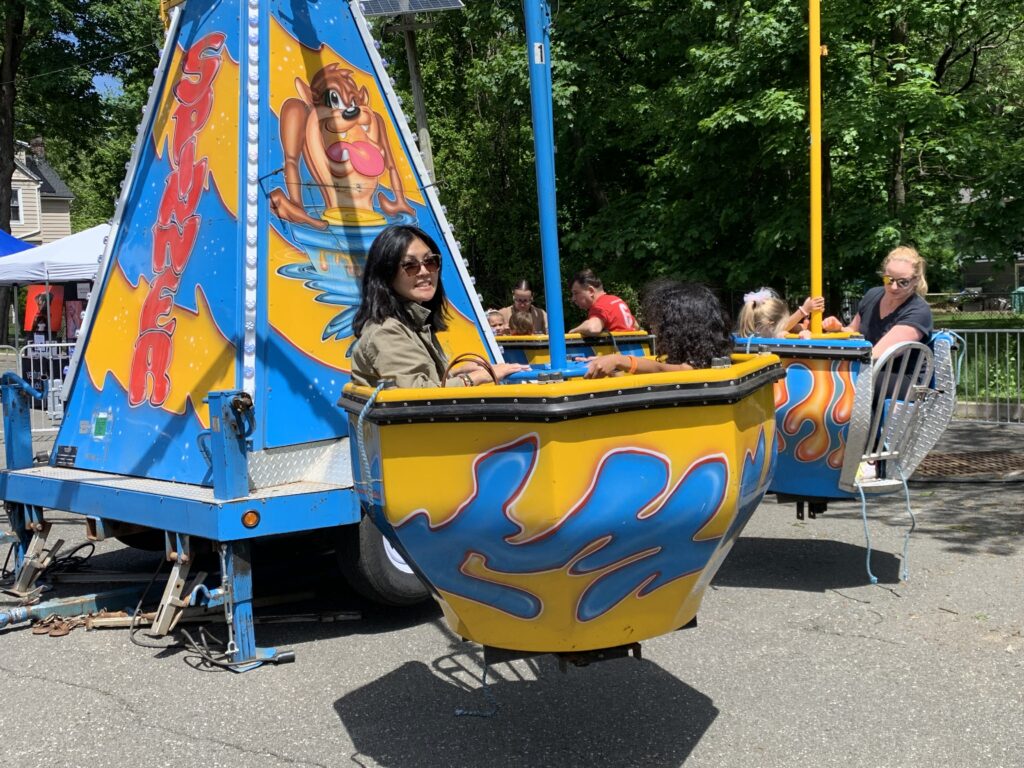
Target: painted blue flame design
[{"x": 602, "y": 532}]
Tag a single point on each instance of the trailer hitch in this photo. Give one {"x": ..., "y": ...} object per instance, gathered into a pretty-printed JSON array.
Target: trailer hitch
[
  {"x": 244, "y": 423},
  {"x": 227, "y": 444}
]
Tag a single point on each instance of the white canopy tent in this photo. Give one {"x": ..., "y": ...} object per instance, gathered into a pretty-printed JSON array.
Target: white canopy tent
[{"x": 71, "y": 258}]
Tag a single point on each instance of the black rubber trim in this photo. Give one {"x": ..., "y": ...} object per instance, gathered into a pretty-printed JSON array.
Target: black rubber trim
[
  {"x": 814, "y": 353},
  {"x": 545, "y": 409},
  {"x": 586, "y": 341}
]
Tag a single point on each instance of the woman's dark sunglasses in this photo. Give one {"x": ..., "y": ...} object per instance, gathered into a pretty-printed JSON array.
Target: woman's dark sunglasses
[
  {"x": 901, "y": 282},
  {"x": 411, "y": 267}
]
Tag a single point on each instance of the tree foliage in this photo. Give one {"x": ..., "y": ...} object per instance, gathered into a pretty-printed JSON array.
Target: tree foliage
[
  {"x": 63, "y": 47},
  {"x": 681, "y": 130},
  {"x": 682, "y": 139}
]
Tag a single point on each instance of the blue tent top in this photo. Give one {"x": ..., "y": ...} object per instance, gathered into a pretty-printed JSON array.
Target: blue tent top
[{"x": 9, "y": 244}]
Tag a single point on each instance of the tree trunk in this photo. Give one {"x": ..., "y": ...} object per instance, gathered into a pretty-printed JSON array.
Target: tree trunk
[
  {"x": 14, "y": 43},
  {"x": 13, "y": 32},
  {"x": 897, "y": 186},
  {"x": 898, "y": 36}
]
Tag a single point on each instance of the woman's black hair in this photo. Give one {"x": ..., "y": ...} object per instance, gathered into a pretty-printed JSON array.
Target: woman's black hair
[
  {"x": 688, "y": 320},
  {"x": 379, "y": 300},
  {"x": 522, "y": 285}
]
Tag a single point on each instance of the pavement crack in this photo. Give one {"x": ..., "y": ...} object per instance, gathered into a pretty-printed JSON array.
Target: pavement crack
[
  {"x": 140, "y": 718},
  {"x": 857, "y": 635}
]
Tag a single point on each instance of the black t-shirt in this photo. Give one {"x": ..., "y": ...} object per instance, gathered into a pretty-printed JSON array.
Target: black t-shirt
[{"x": 914, "y": 312}]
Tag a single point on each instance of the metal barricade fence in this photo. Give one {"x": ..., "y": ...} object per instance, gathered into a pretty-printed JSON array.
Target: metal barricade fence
[
  {"x": 9, "y": 359},
  {"x": 990, "y": 368},
  {"x": 46, "y": 364}
]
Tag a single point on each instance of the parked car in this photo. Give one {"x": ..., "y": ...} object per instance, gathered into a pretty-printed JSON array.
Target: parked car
[{"x": 973, "y": 300}]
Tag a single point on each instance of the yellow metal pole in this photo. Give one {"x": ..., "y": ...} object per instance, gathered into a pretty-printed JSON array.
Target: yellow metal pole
[{"x": 814, "y": 24}]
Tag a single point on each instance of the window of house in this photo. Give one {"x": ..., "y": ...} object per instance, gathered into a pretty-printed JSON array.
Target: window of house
[{"x": 16, "y": 206}]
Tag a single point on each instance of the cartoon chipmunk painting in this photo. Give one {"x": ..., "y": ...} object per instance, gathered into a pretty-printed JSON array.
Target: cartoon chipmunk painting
[{"x": 345, "y": 145}]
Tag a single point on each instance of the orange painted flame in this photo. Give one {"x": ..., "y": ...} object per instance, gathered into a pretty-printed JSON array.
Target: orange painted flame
[
  {"x": 781, "y": 398},
  {"x": 835, "y": 459},
  {"x": 830, "y": 398},
  {"x": 813, "y": 409},
  {"x": 842, "y": 411}
]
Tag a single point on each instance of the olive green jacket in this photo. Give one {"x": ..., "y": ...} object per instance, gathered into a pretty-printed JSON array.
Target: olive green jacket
[{"x": 391, "y": 350}]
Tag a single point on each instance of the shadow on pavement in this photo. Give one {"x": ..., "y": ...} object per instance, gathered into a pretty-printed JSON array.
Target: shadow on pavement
[
  {"x": 975, "y": 518},
  {"x": 810, "y": 565},
  {"x": 616, "y": 713}
]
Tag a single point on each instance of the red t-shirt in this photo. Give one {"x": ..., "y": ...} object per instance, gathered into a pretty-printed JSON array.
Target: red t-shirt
[{"x": 613, "y": 312}]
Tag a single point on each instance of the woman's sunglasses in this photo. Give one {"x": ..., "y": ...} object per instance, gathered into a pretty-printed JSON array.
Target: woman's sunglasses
[
  {"x": 901, "y": 282},
  {"x": 411, "y": 267}
]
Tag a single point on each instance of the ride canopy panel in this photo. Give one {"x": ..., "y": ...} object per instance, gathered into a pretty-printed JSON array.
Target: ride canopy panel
[{"x": 272, "y": 153}]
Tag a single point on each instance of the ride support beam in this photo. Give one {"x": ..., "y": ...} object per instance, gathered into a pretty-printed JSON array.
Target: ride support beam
[
  {"x": 538, "y": 52},
  {"x": 816, "y": 52}
]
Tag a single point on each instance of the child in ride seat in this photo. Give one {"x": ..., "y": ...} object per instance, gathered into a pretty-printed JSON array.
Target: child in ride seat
[
  {"x": 497, "y": 322},
  {"x": 691, "y": 327},
  {"x": 520, "y": 323},
  {"x": 765, "y": 315}
]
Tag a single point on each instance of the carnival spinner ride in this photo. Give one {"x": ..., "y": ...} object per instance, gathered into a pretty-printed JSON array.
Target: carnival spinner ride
[
  {"x": 849, "y": 426},
  {"x": 549, "y": 515}
]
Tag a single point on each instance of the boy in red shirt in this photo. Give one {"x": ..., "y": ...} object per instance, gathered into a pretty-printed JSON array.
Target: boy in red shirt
[{"x": 604, "y": 311}]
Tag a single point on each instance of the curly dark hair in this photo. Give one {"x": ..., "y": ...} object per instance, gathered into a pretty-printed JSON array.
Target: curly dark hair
[
  {"x": 379, "y": 300},
  {"x": 688, "y": 320}
]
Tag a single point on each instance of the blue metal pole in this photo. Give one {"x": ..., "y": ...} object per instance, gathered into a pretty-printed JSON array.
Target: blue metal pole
[{"x": 538, "y": 52}]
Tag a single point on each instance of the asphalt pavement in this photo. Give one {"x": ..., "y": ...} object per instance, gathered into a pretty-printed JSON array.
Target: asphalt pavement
[{"x": 797, "y": 660}]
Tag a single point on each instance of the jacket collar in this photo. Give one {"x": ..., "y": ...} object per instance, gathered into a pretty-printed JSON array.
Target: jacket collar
[{"x": 419, "y": 313}]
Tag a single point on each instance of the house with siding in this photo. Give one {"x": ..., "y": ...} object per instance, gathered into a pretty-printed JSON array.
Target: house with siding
[{"x": 40, "y": 200}]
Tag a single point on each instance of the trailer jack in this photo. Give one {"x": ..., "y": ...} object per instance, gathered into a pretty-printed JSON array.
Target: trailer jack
[{"x": 234, "y": 595}]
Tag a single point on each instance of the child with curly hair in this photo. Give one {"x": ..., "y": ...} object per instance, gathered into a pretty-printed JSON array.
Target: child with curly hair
[{"x": 691, "y": 327}]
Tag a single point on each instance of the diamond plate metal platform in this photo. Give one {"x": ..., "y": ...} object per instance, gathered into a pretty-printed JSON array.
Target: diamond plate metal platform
[
  {"x": 164, "y": 488},
  {"x": 972, "y": 463}
]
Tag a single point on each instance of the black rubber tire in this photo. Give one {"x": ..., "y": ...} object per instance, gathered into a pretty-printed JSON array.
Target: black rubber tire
[
  {"x": 148, "y": 540},
  {"x": 365, "y": 563}
]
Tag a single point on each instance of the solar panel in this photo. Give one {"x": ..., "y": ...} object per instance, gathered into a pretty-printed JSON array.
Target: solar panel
[{"x": 398, "y": 7}]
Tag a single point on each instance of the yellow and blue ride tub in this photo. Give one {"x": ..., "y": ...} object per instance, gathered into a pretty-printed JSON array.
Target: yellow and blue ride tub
[
  {"x": 569, "y": 515},
  {"x": 535, "y": 349}
]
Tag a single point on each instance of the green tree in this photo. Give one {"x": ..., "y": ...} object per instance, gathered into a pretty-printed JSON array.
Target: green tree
[
  {"x": 51, "y": 53},
  {"x": 682, "y": 143},
  {"x": 89, "y": 133}
]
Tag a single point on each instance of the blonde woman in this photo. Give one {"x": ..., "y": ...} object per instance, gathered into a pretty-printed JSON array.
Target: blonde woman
[
  {"x": 766, "y": 316},
  {"x": 895, "y": 311}
]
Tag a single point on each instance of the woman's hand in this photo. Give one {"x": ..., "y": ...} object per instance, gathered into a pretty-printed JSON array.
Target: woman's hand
[
  {"x": 467, "y": 367},
  {"x": 831, "y": 324},
  {"x": 501, "y": 370}
]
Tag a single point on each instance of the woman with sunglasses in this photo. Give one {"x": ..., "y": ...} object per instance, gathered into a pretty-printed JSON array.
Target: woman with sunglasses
[
  {"x": 895, "y": 311},
  {"x": 403, "y": 307}
]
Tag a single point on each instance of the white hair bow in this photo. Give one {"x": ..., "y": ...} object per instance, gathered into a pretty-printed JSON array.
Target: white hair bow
[{"x": 761, "y": 294}]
